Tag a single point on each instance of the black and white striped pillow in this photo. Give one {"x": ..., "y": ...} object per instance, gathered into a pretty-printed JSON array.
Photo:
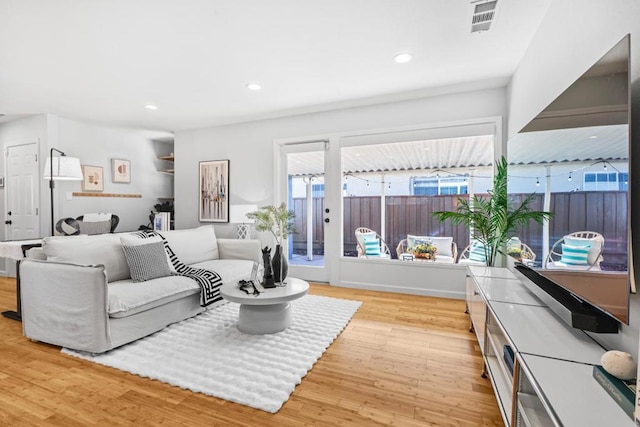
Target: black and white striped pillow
[{"x": 146, "y": 259}]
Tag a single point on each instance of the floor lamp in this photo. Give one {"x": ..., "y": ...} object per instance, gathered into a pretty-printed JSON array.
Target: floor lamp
[{"x": 61, "y": 168}]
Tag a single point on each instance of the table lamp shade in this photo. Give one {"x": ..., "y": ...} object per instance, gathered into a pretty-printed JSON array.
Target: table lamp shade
[
  {"x": 65, "y": 168},
  {"x": 238, "y": 214}
]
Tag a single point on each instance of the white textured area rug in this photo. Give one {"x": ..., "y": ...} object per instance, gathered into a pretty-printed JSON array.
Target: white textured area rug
[{"x": 208, "y": 354}]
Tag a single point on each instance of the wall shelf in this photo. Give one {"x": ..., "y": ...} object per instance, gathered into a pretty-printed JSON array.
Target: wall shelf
[
  {"x": 167, "y": 158},
  {"x": 126, "y": 196}
]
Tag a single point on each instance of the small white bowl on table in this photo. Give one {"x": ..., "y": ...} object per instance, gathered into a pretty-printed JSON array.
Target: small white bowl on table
[{"x": 269, "y": 312}]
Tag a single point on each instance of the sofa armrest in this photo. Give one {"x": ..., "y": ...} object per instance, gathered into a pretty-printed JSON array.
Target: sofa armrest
[
  {"x": 240, "y": 249},
  {"x": 65, "y": 304},
  {"x": 36, "y": 253}
]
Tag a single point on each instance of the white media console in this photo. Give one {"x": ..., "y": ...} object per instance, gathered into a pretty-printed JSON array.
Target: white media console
[{"x": 551, "y": 382}]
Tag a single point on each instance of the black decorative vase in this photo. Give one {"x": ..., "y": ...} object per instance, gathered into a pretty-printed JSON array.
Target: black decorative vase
[
  {"x": 267, "y": 278},
  {"x": 279, "y": 265}
]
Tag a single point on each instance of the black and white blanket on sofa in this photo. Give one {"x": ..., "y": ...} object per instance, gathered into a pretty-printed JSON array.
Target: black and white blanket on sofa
[{"x": 209, "y": 281}]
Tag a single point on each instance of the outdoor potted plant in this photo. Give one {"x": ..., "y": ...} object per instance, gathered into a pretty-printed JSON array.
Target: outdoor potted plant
[
  {"x": 279, "y": 222},
  {"x": 493, "y": 218},
  {"x": 424, "y": 251}
]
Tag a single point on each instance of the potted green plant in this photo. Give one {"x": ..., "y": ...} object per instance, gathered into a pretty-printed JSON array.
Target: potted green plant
[
  {"x": 278, "y": 220},
  {"x": 424, "y": 250},
  {"x": 493, "y": 218}
]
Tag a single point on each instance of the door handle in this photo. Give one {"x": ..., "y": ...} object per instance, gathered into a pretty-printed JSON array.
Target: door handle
[{"x": 8, "y": 222}]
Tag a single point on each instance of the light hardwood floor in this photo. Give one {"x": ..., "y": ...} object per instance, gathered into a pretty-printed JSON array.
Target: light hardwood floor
[{"x": 403, "y": 360}]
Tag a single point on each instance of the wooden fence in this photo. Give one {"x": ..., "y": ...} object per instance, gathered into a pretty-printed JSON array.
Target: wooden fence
[{"x": 602, "y": 211}]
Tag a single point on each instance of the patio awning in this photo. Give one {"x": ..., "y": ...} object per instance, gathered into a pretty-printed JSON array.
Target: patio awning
[{"x": 542, "y": 147}]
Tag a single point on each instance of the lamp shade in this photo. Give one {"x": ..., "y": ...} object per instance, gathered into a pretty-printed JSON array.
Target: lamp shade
[
  {"x": 64, "y": 169},
  {"x": 238, "y": 214}
]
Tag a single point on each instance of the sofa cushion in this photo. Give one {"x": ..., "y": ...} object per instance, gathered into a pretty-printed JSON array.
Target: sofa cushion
[
  {"x": 193, "y": 245},
  {"x": 127, "y": 298},
  {"x": 102, "y": 249},
  {"x": 146, "y": 258}
]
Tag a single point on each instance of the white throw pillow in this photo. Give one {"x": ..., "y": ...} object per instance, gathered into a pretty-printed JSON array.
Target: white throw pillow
[
  {"x": 89, "y": 250},
  {"x": 193, "y": 245},
  {"x": 443, "y": 244}
]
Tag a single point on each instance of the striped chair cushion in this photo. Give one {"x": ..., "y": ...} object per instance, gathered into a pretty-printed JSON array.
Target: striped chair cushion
[
  {"x": 476, "y": 252},
  {"x": 575, "y": 255},
  {"x": 371, "y": 246}
]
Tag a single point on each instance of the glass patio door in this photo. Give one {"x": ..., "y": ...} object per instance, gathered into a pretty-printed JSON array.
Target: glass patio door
[{"x": 305, "y": 187}]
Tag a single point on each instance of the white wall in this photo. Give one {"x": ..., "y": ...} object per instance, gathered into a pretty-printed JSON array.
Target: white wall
[
  {"x": 573, "y": 36},
  {"x": 96, "y": 145}
]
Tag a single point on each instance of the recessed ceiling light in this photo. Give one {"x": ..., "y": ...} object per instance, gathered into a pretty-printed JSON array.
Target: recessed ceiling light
[
  {"x": 403, "y": 57},
  {"x": 150, "y": 107},
  {"x": 593, "y": 136},
  {"x": 253, "y": 86},
  {"x": 357, "y": 154}
]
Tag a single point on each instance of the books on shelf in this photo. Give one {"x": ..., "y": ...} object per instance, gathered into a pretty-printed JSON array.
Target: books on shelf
[
  {"x": 162, "y": 221},
  {"x": 623, "y": 392}
]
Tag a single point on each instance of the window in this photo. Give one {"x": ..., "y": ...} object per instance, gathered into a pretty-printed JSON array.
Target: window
[
  {"x": 623, "y": 181},
  {"x": 427, "y": 186},
  {"x": 606, "y": 181},
  {"x": 317, "y": 190}
]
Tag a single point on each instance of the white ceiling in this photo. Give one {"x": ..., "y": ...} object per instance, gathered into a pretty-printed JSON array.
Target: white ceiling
[{"x": 102, "y": 61}]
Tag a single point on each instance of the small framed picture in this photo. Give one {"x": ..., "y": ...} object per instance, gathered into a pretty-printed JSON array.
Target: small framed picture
[
  {"x": 120, "y": 170},
  {"x": 214, "y": 191},
  {"x": 407, "y": 257},
  {"x": 92, "y": 178}
]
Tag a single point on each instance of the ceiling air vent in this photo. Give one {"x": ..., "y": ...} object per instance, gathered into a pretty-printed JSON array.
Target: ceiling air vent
[{"x": 483, "y": 14}]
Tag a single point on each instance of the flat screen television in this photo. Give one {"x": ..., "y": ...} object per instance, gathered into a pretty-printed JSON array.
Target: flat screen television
[{"x": 575, "y": 155}]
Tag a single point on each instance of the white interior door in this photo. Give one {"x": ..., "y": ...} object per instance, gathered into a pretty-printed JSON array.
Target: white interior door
[
  {"x": 305, "y": 184},
  {"x": 22, "y": 220}
]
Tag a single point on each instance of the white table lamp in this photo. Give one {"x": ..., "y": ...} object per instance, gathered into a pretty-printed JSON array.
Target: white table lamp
[{"x": 238, "y": 215}]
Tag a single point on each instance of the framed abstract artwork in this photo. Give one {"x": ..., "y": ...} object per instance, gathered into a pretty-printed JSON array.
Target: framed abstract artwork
[
  {"x": 92, "y": 178},
  {"x": 120, "y": 170},
  {"x": 214, "y": 191}
]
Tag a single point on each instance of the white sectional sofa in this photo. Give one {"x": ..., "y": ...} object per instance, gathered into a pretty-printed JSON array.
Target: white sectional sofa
[{"x": 77, "y": 291}]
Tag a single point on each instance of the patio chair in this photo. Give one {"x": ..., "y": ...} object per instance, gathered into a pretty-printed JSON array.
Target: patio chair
[
  {"x": 113, "y": 218},
  {"x": 473, "y": 254},
  {"x": 581, "y": 250},
  {"x": 106, "y": 223},
  {"x": 447, "y": 248},
  {"x": 379, "y": 249}
]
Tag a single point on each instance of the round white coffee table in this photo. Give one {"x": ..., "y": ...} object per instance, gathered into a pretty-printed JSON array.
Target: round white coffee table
[{"x": 269, "y": 312}]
